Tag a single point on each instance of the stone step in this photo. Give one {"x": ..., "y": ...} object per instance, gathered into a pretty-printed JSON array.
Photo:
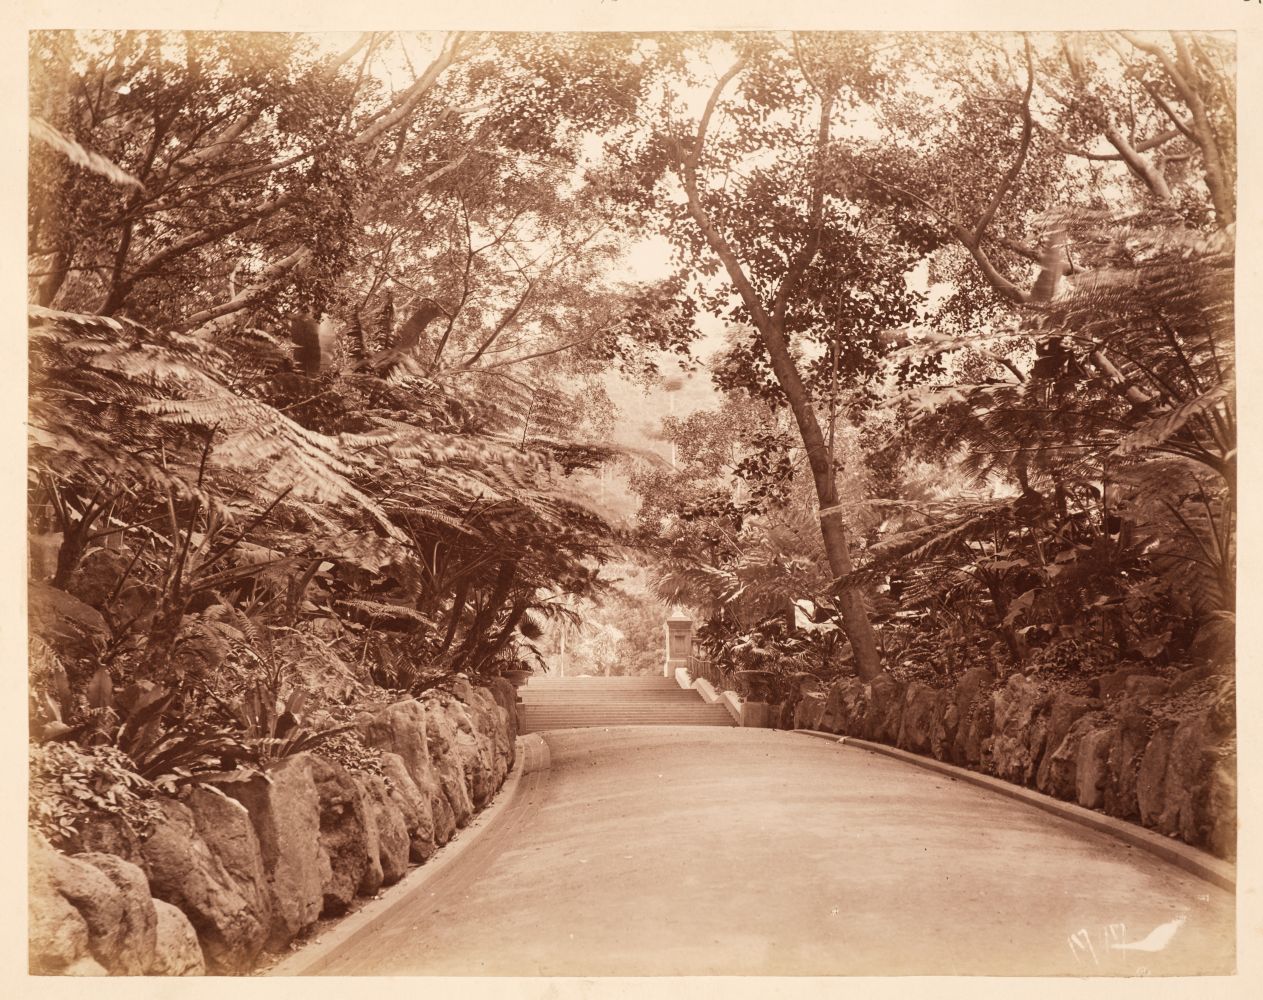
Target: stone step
[
  {"x": 610, "y": 698},
  {"x": 579, "y": 705},
  {"x": 537, "y": 721},
  {"x": 612, "y": 725},
  {"x": 679, "y": 713},
  {"x": 543, "y": 725},
  {"x": 580, "y": 702},
  {"x": 630, "y": 695},
  {"x": 601, "y": 683}
]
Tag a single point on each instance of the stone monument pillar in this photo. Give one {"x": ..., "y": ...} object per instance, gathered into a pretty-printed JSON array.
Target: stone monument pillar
[{"x": 679, "y": 634}]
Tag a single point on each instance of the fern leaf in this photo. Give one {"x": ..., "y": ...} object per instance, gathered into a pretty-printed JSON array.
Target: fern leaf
[
  {"x": 81, "y": 157},
  {"x": 1162, "y": 428}
]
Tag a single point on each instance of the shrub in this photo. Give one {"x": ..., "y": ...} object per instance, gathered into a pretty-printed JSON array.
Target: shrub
[
  {"x": 70, "y": 783},
  {"x": 346, "y": 749},
  {"x": 148, "y": 725}
]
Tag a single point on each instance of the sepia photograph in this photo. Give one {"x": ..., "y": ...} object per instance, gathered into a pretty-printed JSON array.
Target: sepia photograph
[{"x": 435, "y": 438}]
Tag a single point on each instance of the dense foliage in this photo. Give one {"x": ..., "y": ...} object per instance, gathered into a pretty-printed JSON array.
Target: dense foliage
[
  {"x": 1041, "y": 388},
  {"x": 312, "y": 354},
  {"x": 317, "y": 338}
]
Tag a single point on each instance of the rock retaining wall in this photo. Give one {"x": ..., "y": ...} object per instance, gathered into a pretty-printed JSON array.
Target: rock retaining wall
[
  {"x": 245, "y": 862},
  {"x": 1140, "y": 751}
]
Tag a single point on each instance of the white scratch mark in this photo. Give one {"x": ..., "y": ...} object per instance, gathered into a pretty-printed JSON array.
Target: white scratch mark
[{"x": 1156, "y": 940}]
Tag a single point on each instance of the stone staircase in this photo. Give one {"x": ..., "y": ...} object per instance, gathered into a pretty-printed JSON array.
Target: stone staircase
[{"x": 573, "y": 702}]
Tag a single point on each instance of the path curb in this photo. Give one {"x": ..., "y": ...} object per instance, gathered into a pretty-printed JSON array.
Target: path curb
[
  {"x": 532, "y": 756},
  {"x": 1183, "y": 856}
]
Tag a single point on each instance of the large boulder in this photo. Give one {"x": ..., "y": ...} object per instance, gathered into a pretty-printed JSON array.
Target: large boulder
[
  {"x": 176, "y": 951},
  {"x": 441, "y": 736},
  {"x": 59, "y": 940},
  {"x": 461, "y": 688},
  {"x": 344, "y": 834},
  {"x": 401, "y": 729},
  {"x": 1061, "y": 778},
  {"x": 504, "y": 694},
  {"x": 781, "y": 713},
  {"x": 843, "y": 708},
  {"x": 100, "y": 903},
  {"x": 798, "y": 686},
  {"x": 1092, "y": 766},
  {"x": 1126, "y": 753},
  {"x": 1193, "y": 754},
  {"x": 284, "y": 811},
  {"x": 810, "y": 710},
  {"x": 915, "y": 727},
  {"x": 392, "y": 831},
  {"x": 1065, "y": 710},
  {"x": 501, "y": 743},
  {"x": 186, "y": 873},
  {"x": 803, "y": 683},
  {"x": 1152, "y": 776},
  {"x": 883, "y": 709},
  {"x": 445, "y": 824},
  {"x": 57, "y": 936},
  {"x": 490, "y": 719},
  {"x": 973, "y": 715},
  {"x": 476, "y": 748},
  {"x": 225, "y": 825},
  {"x": 1019, "y": 730},
  {"x": 90, "y": 915},
  {"x": 1186, "y": 679},
  {"x": 374, "y": 877},
  {"x": 1196, "y": 791},
  {"x": 418, "y": 816},
  {"x": 133, "y": 953},
  {"x": 1221, "y": 805},
  {"x": 944, "y": 721}
]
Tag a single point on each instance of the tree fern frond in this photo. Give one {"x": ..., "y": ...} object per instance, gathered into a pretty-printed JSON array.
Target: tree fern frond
[
  {"x": 1161, "y": 428},
  {"x": 81, "y": 157},
  {"x": 385, "y": 611}
]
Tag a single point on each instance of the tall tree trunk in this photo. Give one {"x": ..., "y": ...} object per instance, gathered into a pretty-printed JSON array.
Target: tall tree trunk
[
  {"x": 855, "y": 623},
  {"x": 55, "y": 278},
  {"x": 771, "y": 327},
  {"x": 832, "y": 527}
]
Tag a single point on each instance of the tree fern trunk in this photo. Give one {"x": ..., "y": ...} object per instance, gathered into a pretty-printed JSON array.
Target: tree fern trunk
[
  {"x": 161, "y": 641},
  {"x": 506, "y": 633},
  {"x": 487, "y": 614}
]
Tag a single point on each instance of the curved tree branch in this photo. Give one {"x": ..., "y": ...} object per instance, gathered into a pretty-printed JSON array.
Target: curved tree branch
[
  {"x": 802, "y": 260},
  {"x": 1023, "y": 147},
  {"x": 723, "y": 249},
  {"x": 404, "y": 103},
  {"x": 211, "y": 321}
]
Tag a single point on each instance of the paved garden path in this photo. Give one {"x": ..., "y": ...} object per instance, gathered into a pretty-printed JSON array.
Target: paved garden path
[{"x": 673, "y": 851}]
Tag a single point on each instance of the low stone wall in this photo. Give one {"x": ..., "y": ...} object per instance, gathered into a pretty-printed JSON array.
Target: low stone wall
[
  {"x": 728, "y": 699},
  {"x": 1145, "y": 750},
  {"x": 243, "y": 863}
]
